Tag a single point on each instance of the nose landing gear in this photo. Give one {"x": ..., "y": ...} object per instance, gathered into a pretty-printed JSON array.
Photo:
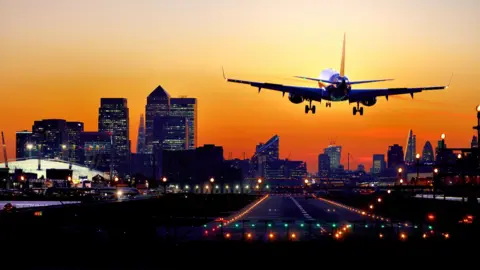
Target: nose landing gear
[
  {"x": 358, "y": 109},
  {"x": 328, "y": 104}
]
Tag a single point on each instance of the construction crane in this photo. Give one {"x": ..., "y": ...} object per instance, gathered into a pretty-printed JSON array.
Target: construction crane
[{"x": 4, "y": 150}]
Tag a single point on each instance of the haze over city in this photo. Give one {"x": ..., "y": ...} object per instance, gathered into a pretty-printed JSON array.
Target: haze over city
[{"x": 61, "y": 57}]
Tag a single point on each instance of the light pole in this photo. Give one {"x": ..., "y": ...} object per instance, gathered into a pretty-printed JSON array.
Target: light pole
[
  {"x": 164, "y": 182},
  {"x": 435, "y": 175},
  {"x": 259, "y": 181},
  {"x": 212, "y": 180},
  {"x": 417, "y": 165},
  {"x": 460, "y": 163}
]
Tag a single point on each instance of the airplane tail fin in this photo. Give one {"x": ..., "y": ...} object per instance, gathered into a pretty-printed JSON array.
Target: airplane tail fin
[{"x": 342, "y": 64}]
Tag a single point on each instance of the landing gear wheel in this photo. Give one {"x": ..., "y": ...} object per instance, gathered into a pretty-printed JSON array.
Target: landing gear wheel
[
  {"x": 361, "y": 110},
  {"x": 313, "y": 109},
  {"x": 306, "y": 108},
  {"x": 354, "y": 110}
]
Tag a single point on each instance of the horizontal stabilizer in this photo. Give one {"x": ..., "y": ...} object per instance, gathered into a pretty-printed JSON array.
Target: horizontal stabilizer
[
  {"x": 369, "y": 81},
  {"x": 315, "y": 79}
]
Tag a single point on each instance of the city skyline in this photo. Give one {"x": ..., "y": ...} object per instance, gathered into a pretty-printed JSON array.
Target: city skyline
[{"x": 73, "y": 64}]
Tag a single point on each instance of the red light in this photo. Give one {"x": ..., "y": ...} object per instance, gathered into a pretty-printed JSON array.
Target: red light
[
  {"x": 431, "y": 217},
  {"x": 227, "y": 235},
  {"x": 38, "y": 213}
]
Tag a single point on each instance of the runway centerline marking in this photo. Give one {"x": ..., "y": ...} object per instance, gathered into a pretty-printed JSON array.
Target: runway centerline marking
[{"x": 305, "y": 214}]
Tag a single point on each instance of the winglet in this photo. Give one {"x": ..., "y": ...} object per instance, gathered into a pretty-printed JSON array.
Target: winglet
[
  {"x": 223, "y": 71},
  {"x": 448, "y": 85}
]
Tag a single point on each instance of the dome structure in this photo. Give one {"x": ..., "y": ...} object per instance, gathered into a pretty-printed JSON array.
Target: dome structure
[{"x": 31, "y": 166}]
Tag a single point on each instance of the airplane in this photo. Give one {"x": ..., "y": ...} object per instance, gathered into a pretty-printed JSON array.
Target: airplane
[{"x": 334, "y": 86}]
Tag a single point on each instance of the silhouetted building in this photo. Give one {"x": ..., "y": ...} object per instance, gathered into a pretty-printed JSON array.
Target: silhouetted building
[
  {"x": 96, "y": 150},
  {"x": 411, "y": 150},
  {"x": 395, "y": 156},
  {"x": 323, "y": 165},
  {"x": 428, "y": 157},
  {"x": 198, "y": 166},
  {"x": 296, "y": 170},
  {"x": 158, "y": 104},
  {"x": 48, "y": 137},
  {"x": 72, "y": 153},
  {"x": 240, "y": 164},
  {"x": 141, "y": 136},
  {"x": 265, "y": 152},
  {"x": 170, "y": 133},
  {"x": 334, "y": 152},
  {"x": 378, "y": 165},
  {"x": 186, "y": 108},
  {"x": 361, "y": 167},
  {"x": 23, "y": 140},
  {"x": 474, "y": 143},
  {"x": 113, "y": 117}
]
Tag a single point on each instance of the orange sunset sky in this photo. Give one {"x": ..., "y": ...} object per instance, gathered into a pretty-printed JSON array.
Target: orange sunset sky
[{"x": 59, "y": 57}]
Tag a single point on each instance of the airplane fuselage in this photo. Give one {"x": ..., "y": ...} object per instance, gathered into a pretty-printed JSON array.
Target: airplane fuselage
[{"x": 339, "y": 91}]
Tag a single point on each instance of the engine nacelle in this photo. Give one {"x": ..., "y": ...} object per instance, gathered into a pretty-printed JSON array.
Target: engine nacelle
[
  {"x": 295, "y": 98},
  {"x": 369, "y": 102}
]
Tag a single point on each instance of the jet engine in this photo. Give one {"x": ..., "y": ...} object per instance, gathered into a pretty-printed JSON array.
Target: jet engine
[
  {"x": 369, "y": 102},
  {"x": 295, "y": 98}
]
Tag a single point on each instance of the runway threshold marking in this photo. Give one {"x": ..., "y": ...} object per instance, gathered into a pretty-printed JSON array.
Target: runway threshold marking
[{"x": 305, "y": 214}]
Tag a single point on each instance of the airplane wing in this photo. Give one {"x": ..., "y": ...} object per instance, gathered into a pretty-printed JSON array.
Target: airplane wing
[
  {"x": 364, "y": 94},
  {"x": 313, "y": 93}
]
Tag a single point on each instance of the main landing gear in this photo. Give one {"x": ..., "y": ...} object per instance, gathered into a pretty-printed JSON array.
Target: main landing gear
[
  {"x": 358, "y": 109},
  {"x": 328, "y": 105},
  {"x": 310, "y": 108}
]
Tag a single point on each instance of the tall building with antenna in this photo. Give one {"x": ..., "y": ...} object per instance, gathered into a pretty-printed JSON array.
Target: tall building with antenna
[{"x": 141, "y": 136}]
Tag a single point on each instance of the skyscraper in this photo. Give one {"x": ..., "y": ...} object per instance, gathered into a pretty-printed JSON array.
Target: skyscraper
[
  {"x": 113, "y": 117},
  {"x": 95, "y": 150},
  {"x": 170, "y": 133},
  {"x": 71, "y": 153},
  {"x": 334, "y": 152},
  {"x": 264, "y": 153},
  {"x": 158, "y": 104},
  {"x": 323, "y": 165},
  {"x": 395, "y": 156},
  {"x": 186, "y": 107},
  {"x": 411, "y": 151},
  {"x": 428, "y": 157},
  {"x": 378, "y": 163},
  {"x": 23, "y": 139},
  {"x": 49, "y": 136},
  {"x": 141, "y": 136}
]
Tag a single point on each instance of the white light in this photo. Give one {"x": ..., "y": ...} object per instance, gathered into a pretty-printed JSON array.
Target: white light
[
  {"x": 119, "y": 193},
  {"x": 187, "y": 187},
  {"x": 237, "y": 187}
]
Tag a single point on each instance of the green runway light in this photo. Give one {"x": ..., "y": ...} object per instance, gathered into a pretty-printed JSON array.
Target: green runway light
[
  {"x": 334, "y": 225},
  {"x": 205, "y": 225},
  {"x": 383, "y": 226},
  {"x": 236, "y": 225},
  {"x": 416, "y": 227},
  {"x": 430, "y": 227},
  {"x": 286, "y": 225},
  {"x": 301, "y": 225},
  {"x": 350, "y": 225},
  {"x": 318, "y": 224},
  {"x": 253, "y": 225},
  {"x": 366, "y": 225},
  {"x": 220, "y": 225},
  {"x": 269, "y": 225}
]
